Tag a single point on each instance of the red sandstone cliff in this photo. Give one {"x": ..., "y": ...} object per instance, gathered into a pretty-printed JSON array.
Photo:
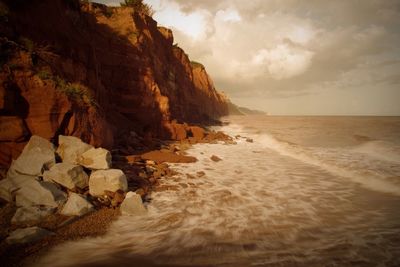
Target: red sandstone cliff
[{"x": 94, "y": 72}]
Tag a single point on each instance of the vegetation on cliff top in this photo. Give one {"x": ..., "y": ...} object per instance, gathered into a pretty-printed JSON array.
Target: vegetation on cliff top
[
  {"x": 139, "y": 6},
  {"x": 196, "y": 64},
  {"x": 10, "y": 53}
]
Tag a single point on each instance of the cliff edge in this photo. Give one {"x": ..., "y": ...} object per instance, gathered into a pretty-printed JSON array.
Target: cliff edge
[{"x": 94, "y": 72}]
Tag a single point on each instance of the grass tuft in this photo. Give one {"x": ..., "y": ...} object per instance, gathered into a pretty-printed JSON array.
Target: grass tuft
[
  {"x": 139, "y": 6},
  {"x": 76, "y": 92},
  {"x": 196, "y": 64}
]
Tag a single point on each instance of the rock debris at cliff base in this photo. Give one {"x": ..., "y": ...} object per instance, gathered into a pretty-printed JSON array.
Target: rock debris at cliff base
[{"x": 42, "y": 223}]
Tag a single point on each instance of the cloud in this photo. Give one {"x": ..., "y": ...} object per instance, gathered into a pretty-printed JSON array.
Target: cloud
[
  {"x": 262, "y": 51},
  {"x": 192, "y": 24},
  {"x": 282, "y": 61},
  {"x": 228, "y": 15}
]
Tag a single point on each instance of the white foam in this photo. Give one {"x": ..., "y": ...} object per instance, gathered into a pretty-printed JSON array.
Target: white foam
[
  {"x": 369, "y": 179},
  {"x": 266, "y": 202},
  {"x": 381, "y": 150}
]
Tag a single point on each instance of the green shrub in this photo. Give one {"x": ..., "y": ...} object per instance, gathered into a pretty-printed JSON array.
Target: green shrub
[
  {"x": 139, "y": 6},
  {"x": 27, "y": 44},
  {"x": 75, "y": 92},
  {"x": 60, "y": 83},
  {"x": 44, "y": 75},
  {"x": 79, "y": 93},
  {"x": 196, "y": 64}
]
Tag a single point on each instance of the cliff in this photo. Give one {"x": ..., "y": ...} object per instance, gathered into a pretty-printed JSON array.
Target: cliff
[
  {"x": 234, "y": 109},
  {"x": 95, "y": 72}
]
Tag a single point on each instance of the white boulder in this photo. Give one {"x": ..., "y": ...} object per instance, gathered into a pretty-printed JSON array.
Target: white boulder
[
  {"x": 132, "y": 205},
  {"x": 39, "y": 193},
  {"x": 10, "y": 185},
  {"x": 37, "y": 155},
  {"x": 71, "y": 148},
  {"x": 68, "y": 175},
  {"x": 96, "y": 159},
  {"x": 6, "y": 190},
  {"x": 27, "y": 235},
  {"x": 13, "y": 173},
  {"x": 76, "y": 205},
  {"x": 32, "y": 214},
  {"x": 111, "y": 180}
]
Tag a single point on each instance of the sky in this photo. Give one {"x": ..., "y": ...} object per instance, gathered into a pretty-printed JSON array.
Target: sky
[{"x": 292, "y": 57}]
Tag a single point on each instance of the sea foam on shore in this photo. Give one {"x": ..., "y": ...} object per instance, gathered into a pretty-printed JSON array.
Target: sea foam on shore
[{"x": 283, "y": 199}]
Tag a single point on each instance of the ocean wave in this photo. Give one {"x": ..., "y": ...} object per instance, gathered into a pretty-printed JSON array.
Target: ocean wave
[
  {"x": 380, "y": 150},
  {"x": 344, "y": 162},
  {"x": 266, "y": 203}
]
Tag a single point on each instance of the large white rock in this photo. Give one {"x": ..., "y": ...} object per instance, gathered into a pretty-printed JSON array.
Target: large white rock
[
  {"x": 71, "y": 148},
  {"x": 32, "y": 214},
  {"x": 37, "y": 155},
  {"x": 27, "y": 235},
  {"x": 6, "y": 190},
  {"x": 111, "y": 180},
  {"x": 12, "y": 173},
  {"x": 10, "y": 185},
  {"x": 39, "y": 193},
  {"x": 132, "y": 205},
  {"x": 76, "y": 205},
  {"x": 96, "y": 159},
  {"x": 68, "y": 175}
]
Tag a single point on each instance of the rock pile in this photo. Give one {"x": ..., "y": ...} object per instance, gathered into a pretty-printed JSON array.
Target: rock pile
[
  {"x": 195, "y": 134},
  {"x": 83, "y": 180}
]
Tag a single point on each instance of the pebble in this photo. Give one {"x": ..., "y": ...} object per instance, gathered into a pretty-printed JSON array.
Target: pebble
[{"x": 215, "y": 158}]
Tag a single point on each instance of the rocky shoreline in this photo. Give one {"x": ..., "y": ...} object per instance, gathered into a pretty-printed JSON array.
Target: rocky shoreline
[
  {"x": 90, "y": 187},
  {"x": 112, "y": 77}
]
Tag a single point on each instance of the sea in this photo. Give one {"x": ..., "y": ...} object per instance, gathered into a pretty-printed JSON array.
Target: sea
[{"x": 293, "y": 191}]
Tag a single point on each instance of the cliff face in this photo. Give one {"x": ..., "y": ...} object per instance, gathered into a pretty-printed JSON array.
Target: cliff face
[{"x": 94, "y": 72}]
